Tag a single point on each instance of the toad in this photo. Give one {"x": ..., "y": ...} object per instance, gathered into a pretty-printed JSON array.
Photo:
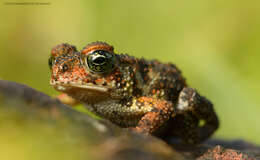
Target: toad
[{"x": 146, "y": 96}]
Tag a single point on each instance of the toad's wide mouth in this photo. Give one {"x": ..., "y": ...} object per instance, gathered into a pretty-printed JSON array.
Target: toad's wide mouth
[{"x": 68, "y": 86}]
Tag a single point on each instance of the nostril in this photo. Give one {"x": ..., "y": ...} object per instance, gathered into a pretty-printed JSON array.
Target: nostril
[{"x": 64, "y": 67}]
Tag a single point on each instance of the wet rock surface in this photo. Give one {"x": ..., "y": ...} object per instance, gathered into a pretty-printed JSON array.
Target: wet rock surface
[{"x": 100, "y": 139}]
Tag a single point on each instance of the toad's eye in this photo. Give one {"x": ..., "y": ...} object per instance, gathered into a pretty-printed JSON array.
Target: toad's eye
[
  {"x": 51, "y": 62},
  {"x": 100, "y": 61}
]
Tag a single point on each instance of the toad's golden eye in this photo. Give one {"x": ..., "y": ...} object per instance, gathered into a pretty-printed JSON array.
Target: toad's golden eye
[{"x": 100, "y": 61}]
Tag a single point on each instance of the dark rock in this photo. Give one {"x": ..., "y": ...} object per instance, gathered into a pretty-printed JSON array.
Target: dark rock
[
  {"x": 40, "y": 117},
  {"x": 216, "y": 148},
  {"x": 220, "y": 153}
]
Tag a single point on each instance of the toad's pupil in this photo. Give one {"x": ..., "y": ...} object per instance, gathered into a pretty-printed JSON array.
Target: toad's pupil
[{"x": 99, "y": 60}]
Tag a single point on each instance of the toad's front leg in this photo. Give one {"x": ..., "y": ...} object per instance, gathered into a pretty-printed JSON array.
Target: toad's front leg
[
  {"x": 66, "y": 99},
  {"x": 157, "y": 112},
  {"x": 195, "y": 117}
]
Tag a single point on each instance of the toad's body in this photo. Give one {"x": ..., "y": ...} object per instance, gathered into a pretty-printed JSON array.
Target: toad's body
[{"x": 146, "y": 96}]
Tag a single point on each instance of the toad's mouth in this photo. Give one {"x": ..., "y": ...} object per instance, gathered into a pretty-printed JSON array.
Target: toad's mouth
[{"x": 68, "y": 86}]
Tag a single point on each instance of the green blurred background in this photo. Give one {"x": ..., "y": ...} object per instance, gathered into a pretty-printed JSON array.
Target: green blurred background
[{"x": 214, "y": 43}]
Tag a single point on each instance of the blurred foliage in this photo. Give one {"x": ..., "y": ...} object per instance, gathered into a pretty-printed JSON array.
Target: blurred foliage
[{"x": 214, "y": 43}]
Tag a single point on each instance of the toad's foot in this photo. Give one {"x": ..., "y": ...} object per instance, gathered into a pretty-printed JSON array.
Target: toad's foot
[{"x": 195, "y": 117}]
